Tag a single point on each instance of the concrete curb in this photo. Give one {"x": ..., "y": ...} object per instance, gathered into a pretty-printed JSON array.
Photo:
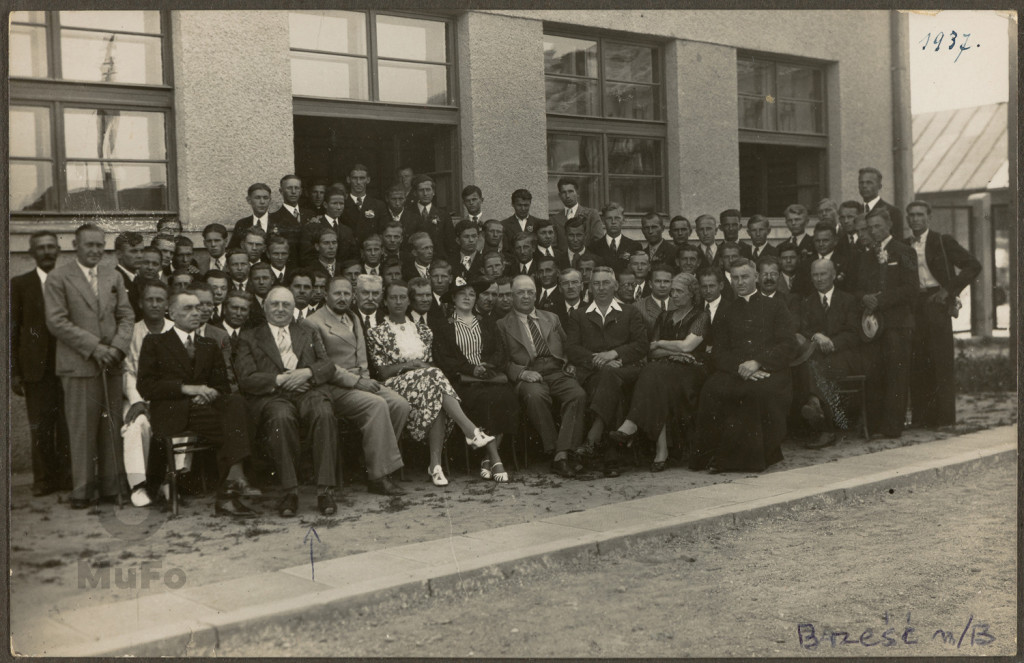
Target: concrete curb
[{"x": 490, "y": 556}]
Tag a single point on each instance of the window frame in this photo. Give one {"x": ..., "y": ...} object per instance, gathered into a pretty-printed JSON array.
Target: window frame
[
  {"x": 607, "y": 128},
  {"x": 775, "y": 136},
  {"x": 370, "y": 108},
  {"x": 56, "y": 94}
]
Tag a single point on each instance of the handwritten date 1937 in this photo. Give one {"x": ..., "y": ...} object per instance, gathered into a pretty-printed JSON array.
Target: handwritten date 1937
[
  {"x": 954, "y": 36},
  {"x": 972, "y": 635}
]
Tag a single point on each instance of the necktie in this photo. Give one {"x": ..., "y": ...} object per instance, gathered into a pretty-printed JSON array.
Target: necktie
[
  {"x": 568, "y": 213},
  {"x": 296, "y": 214},
  {"x": 867, "y": 208},
  {"x": 707, "y": 306},
  {"x": 708, "y": 253},
  {"x": 638, "y": 290},
  {"x": 366, "y": 320},
  {"x": 574, "y": 259},
  {"x": 301, "y": 315},
  {"x": 824, "y": 303},
  {"x": 475, "y": 218},
  {"x": 190, "y": 347},
  {"x": 523, "y": 269},
  {"x": 359, "y": 202},
  {"x": 757, "y": 252},
  {"x": 284, "y": 346},
  {"x": 664, "y": 305},
  {"x": 373, "y": 271},
  {"x": 543, "y": 297},
  {"x": 234, "y": 337},
  {"x": 423, "y": 210},
  {"x": 540, "y": 346},
  {"x": 94, "y": 282},
  {"x": 615, "y": 245}
]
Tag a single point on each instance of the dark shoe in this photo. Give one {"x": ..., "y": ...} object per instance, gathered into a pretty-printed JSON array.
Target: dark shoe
[
  {"x": 813, "y": 413},
  {"x": 39, "y": 490},
  {"x": 79, "y": 504},
  {"x": 823, "y": 440},
  {"x": 385, "y": 486},
  {"x": 611, "y": 470},
  {"x": 658, "y": 466},
  {"x": 243, "y": 488},
  {"x": 621, "y": 440},
  {"x": 699, "y": 462},
  {"x": 562, "y": 468},
  {"x": 227, "y": 505},
  {"x": 575, "y": 462},
  {"x": 288, "y": 506},
  {"x": 325, "y": 505}
]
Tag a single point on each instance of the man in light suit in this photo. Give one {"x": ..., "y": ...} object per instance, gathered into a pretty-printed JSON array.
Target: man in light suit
[
  {"x": 379, "y": 413},
  {"x": 33, "y": 366},
  {"x": 593, "y": 226},
  {"x": 88, "y": 312},
  {"x": 539, "y": 369},
  {"x": 283, "y": 371}
]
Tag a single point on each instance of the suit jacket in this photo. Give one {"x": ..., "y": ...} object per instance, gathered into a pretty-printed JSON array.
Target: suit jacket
[
  {"x": 219, "y": 336},
  {"x": 554, "y": 302},
  {"x": 747, "y": 251},
  {"x": 310, "y": 230},
  {"x": 80, "y": 321},
  {"x": 284, "y": 226},
  {"x": 33, "y": 348},
  {"x": 129, "y": 286},
  {"x": 715, "y": 262},
  {"x": 564, "y": 261},
  {"x": 592, "y": 225},
  {"x": 650, "y": 310},
  {"x": 204, "y": 262},
  {"x": 367, "y": 221},
  {"x": 841, "y": 323},
  {"x": 285, "y": 217},
  {"x": 517, "y": 343},
  {"x": 345, "y": 346},
  {"x": 895, "y": 215},
  {"x": 450, "y": 358},
  {"x": 440, "y": 225},
  {"x": 258, "y": 361},
  {"x": 511, "y": 226},
  {"x": 618, "y": 261},
  {"x": 762, "y": 329},
  {"x": 476, "y": 266},
  {"x": 666, "y": 254},
  {"x": 622, "y": 331},
  {"x": 942, "y": 265},
  {"x": 804, "y": 249},
  {"x": 164, "y": 366},
  {"x": 896, "y": 282},
  {"x": 562, "y": 310}
]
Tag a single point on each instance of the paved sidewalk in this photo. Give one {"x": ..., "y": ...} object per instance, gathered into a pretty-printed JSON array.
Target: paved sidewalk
[{"x": 170, "y": 623}]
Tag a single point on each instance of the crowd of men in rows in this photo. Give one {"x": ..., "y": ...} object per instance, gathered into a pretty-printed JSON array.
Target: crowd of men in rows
[{"x": 172, "y": 340}]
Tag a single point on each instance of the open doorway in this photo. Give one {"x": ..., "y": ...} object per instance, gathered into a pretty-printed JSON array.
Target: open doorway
[{"x": 326, "y": 147}]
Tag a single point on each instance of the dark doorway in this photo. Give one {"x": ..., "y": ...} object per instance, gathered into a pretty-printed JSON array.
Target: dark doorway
[{"x": 326, "y": 147}]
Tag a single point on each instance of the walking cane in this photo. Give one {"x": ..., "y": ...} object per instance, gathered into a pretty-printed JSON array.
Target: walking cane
[{"x": 122, "y": 478}]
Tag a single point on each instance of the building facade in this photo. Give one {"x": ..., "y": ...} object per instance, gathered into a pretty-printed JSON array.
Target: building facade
[{"x": 123, "y": 117}]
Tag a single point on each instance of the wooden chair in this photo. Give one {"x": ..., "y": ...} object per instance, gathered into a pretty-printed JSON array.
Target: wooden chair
[{"x": 193, "y": 444}]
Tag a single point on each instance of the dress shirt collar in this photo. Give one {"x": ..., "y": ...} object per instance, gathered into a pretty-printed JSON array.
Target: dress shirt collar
[
  {"x": 183, "y": 335},
  {"x": 293, "y": 210},
  {"x": 130, "y": 274},
  {"x": 874, "y": 201},
  {"x": 923, "y": 237},
  {"x": 885, "y": 243},
  {"x": 713, "y": 305},
  {"x": 523, "y": 316},
  {"x": 262, "y": 221},
  {"x": 278, "y": 273},
  {"x": 522, "y": 222},
  {"x": 86, "y": 270},
  {"x": 42, "y": 276},
  {"x": 827, "y": 256},
  {"x": 747, "y": 297},
  {"x": 571, "y": 212},
  {"x": 229, "y": 329},
  {"x": 827, "y": 295},
  {"x": 614, "y": 306}
]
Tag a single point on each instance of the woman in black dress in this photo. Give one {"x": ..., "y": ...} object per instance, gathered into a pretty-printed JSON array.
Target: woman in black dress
[
  {"x": 668, "y": 388},
  {"x": 467, "y": 349}
]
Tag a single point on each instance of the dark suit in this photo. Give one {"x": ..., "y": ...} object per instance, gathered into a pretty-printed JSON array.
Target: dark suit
[
  {"x": 285, "y": 227},
  {"x": 622, "y": 331},
  {"x": 33, "y": 361},
  {"x": 617, "y": 260},
  {"x": 805, "y": 248},
  {"x": 895, "y": 215},
  {"x": 552, "y": 303},
  {"x": 438, "y": 224},
  {"x": 593, "y": 226},
  {"x": 164, "y": 367},
  {"x": 896, "y": 284},
  {"x": 365, "y": 221},
  {"x": 129, "y": 286},
  {"x": 818, "y": 375},
  {"x": 664, "y": 254},
  {"x": 476, "y": 266},
  {"x": 279, "y": 413},
  {"x": 409, "y": 271},
  {"x": 564, "y": 260},
  {"x": 650, "y": 310},
  {"x": 556, "y": 381},
  {"x": 741, "y": 423},
  {"x": 747, "y": 251},
  {"x": 563, "y": 312},
  {"x": 512, "y": 229},
  {"x": 80, "y": 321},
  {"x": 309, "y": 232},
  {"x": 933, "y": 380}
]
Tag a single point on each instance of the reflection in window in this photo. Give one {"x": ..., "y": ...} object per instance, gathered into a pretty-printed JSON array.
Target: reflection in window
[
  {"x": 115, "y": 186},
  {"x": 29, "y": 58},
  {"x": 780, "y": 96}
]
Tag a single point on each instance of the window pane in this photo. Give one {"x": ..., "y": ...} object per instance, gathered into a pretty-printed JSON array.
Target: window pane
[
  {"x": 753, "y": 77},
  {"x": 95, "y": 186},
  {"x": 113, "y": 134},
  {"x": 623, "y": 62},
  {"x": 635, "y": 194},
  {"x": 118, "y": 21},
  {"x": 574, "y": 154},
  {"x": 331, "y": 76},
  {"x": 799, "y": 82},
  {"x": 411, "y": 39},
  {"x": 753, "y": 113},
  {"x": 588, "y": 191},
  {"x": 30, "y": 131},
  {"x": 28, "y": 51},
  {"x": 411, "y": 83},
  {"x": 637, "y": 102},
  {"x": 800, "y": 117},
  {"x": 564, "y": 55},
  {"x": 571, "y": 97},
  {"x": 32, "y": 186},
  {"x": 338, "y": 32},
  {"x": 114, "y": 58},
  {"x": 634, "y": 156},
  {"x": 29, "y": 17}
]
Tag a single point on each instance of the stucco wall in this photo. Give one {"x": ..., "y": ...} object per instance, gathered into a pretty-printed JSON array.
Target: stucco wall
[
  {"x": 233, "y": 110},
  {"x": 501, "y": 86}
]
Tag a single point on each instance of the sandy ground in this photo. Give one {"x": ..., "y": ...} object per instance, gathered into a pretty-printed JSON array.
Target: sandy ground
[
  {"x": 928, "y": 571},
  {"x": 53, "y": 547}
]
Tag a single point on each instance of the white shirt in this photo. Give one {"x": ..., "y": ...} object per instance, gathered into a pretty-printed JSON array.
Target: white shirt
[
  {"x": 546, "y": 291},
  {"x": 874, "y": 201},
  {"x": 421, "y": 269},
  {"x": 613, "y": 242},
  {"x": 614, "y": 306},
  {"x": 571, "y": 212},
  {"x": 278, "y": 274},
  {"x": 662, "y": 303},
  {"x": 924, "y": 274},
  {"x": 746, "y": 298},
  {"x": 261, "y": 221},
  {"x": 546, "y": 251},
  {"x": 306, "y": 312},
  {"x": 526, "y": 266},
  {"x": 757, "y": 250},
  {"x": 712, "y": 307},
  {"x": 522, "y": 223},
  {"x": 294, "y": 211},
  {"x": 42, "y": 276},
  {"x": 217, "y": 263},
  {"x": 288, "y": 357},
  {"x": 357, "y": 200},
  {"x": 88, "y": 272},
  {"x": 369, "y": 319},
  {"x": 714, "y": 250},
  {"x": 370, "y": 269},
  {"x": 229, "y": 329},
  {"x": 827, "y": 295},
  {"x": 331, "y": 222},
  {"x": 828, "y": 256},
  {"x": 130, "y": 275}
]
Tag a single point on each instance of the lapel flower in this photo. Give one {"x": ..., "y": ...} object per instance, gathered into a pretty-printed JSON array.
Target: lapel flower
[
  {"x": 369, "y": 214},
  {"x": 883, "y": 256}
]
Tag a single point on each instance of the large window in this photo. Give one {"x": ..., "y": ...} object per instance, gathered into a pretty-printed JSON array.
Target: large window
[
  {"x": 782, "y": 134},
  {"x": 90, "y": 114},
  {"x": 605, "y": 120},
  {"x": 368, "y": 56}
]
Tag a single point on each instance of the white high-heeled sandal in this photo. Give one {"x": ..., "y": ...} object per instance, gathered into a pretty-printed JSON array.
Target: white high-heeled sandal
[
  {"x": 479, "y": 439},
  {"x": 437, "y": 476},
  {"x": 499, "y": 477}
]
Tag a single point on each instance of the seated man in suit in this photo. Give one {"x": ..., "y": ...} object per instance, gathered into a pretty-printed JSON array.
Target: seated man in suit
[
  {"x": 330, "y": 220},
  {"x": 741, "y": 419},
  {"x": 467, "y": 261},
  {"x": 614, "y": 248},
  {"x": 540, "y": 371},
  {"x": 769, "y": 276},
  {"x": 680, "y": 229},
  {"x": 184, "y": 378},
  {"x": 521, "y": 220},
  {"x": 657, "y": 302},
  {"x": 606, "y": 342},
  {"x": 570, "y": 287},
  {"x": 369, "y": 291},
  {"x": 830, "y": 318},
  {"x": 658, "y": 250},
  {"x": 548, "y": 297},
  {"x": 379, "y": 413},
  {"x": 284, "y": 372},
  {"x": 593, "y": 227},
  {"x": 758, "y": 229}
]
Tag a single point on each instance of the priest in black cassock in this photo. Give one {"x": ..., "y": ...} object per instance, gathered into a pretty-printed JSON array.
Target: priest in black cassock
[{"x": 741, "y": 419}]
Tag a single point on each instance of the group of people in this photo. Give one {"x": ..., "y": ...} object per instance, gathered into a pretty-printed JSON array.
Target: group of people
[{"x": 402, "y": 320}]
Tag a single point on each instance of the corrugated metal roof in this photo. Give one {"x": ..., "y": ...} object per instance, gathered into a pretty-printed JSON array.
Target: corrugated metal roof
[{"x": 960, "y": 150}]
